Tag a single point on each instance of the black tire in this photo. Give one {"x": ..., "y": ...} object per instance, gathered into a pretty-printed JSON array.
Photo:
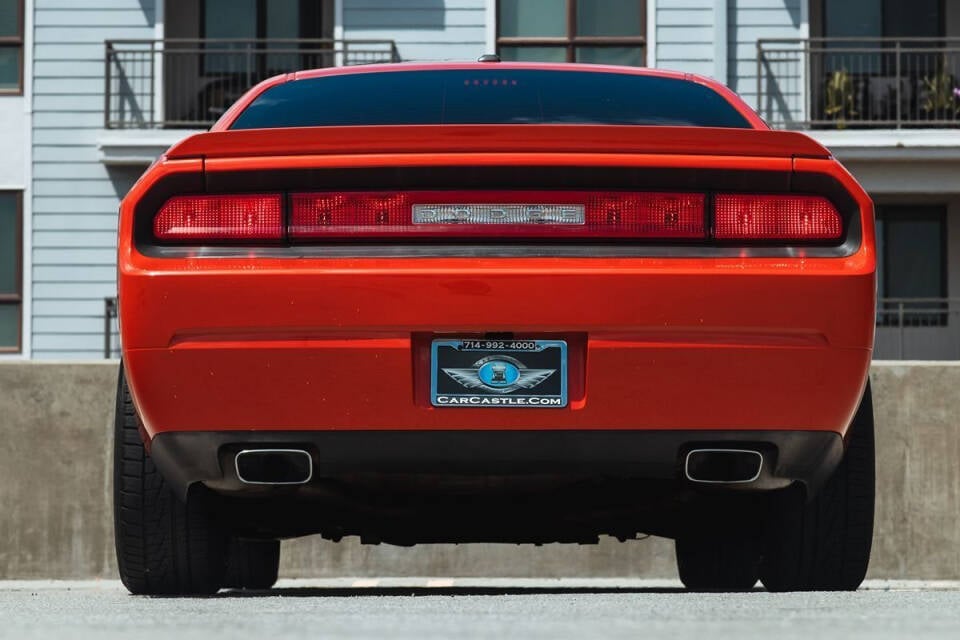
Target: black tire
[
  {"x": 164, "y": 547},
  {"x": 721, "y": 561},
  {"x": 824, "y": 544},
  {"x": 252, "y": 564}
]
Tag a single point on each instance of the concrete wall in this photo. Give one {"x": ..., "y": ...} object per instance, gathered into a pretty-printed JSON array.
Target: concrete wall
[{"x": 56, "y": 515}]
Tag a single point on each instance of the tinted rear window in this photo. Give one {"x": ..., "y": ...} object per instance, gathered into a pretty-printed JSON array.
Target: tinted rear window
[{"x": 488, "y": 96}]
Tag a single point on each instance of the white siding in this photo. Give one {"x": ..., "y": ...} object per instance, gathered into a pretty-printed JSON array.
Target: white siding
[
  {"x": 75, "y": 197},
  {"x": 422, "y": 29},
  {"x": 685, "y": 35},
  {"x": 750, "y": 20}
]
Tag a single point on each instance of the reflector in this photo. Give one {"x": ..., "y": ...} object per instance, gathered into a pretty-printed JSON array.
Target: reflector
[
  {"x": 220, "y": 218},
  {"x": 775, "y": 217}
]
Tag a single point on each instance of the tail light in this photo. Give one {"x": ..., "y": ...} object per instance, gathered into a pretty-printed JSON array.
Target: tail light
[
  {"x": 775, "y": 217},
  {"x": 515, "y": 214},
  {"x": 496, "y": 214},
  {"x": 220, "y": 218}
]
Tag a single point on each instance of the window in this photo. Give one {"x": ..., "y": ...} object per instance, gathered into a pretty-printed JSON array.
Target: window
[
  {"x": 882, "y": 18},
  {"x": 238, "y": 24},
  {"x": 598, "y": 31},
  {"x": 489, "y": 96},
  {"x": 11, "y": 299},
  {"x": 11, "y": 46},
  {"x": 912, "y": 263}
]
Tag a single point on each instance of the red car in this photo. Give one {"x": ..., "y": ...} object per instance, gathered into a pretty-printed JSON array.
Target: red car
[{"x": 495, "y": 302}]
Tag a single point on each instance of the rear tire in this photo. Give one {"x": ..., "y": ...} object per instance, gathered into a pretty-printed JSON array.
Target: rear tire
[
  {"x": 721, "y": 561},
  {"x": 252, "y": 564},
  {"x": 824, "y": 544},
  {"x": 164, "y": 547}
]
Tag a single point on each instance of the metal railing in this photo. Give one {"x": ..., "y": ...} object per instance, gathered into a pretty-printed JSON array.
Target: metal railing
[
  {"x": 918, "y": 329},
  {"x": 111, "y": 333},
  {"x": 907, "y": 329},
  {"x": 182, "y": 83},
  {"x": 859, "y": 82}
]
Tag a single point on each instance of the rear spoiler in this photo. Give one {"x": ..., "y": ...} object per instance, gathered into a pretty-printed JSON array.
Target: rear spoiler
[{"x": 516, "y": 138}]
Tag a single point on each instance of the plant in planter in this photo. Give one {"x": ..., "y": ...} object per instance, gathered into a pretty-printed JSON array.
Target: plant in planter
[
  {"x": 941, "y": 96},
  {"x": 839, "y": 101}
]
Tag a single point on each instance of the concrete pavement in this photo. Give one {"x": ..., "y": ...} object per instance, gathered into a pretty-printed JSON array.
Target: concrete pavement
[{"x": 425, "y": 608}]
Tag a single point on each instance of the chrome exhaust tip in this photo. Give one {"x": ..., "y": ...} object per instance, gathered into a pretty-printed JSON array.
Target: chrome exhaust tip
[
  {"x": 274, "y": 466},
  {"x": 723, "y": 466}
]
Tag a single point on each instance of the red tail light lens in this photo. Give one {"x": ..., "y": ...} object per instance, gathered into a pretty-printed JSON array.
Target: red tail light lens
[
  {"x": 515, "y": 214},
  {"x": 220, "y": 218},
  {"x": 651, "y": 215},
  {"x": 775, "y": 217},
  {"x": 319, "y": 215},
  {"x": 519, "y": 215}
]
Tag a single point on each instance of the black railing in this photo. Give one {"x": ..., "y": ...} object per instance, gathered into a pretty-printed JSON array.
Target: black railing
[
  {"x": 859, "y": 82},
  {"x": 918, "y": 329},
  {"x": 190, "y": 83},
  {"x": 111, "y": 335}
]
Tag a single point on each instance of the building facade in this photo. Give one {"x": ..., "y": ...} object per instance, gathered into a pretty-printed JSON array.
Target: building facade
[
  {"x": 15, "y": 35},
  {"x": 91, "y": 91}
]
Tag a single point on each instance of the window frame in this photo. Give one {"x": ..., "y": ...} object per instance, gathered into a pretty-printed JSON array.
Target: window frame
[
  {"x": 16, "y": 299},
  {"x": 571, "y": 41},
  {"x": 311, "y": 20},
  {"x": 935, "y": 212},
  {"x": 818, "y": 20},
  {"x": 17, "y": 41}
]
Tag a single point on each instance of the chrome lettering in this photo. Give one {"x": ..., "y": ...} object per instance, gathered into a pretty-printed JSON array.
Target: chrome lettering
[{"x": 562, "y": 214}]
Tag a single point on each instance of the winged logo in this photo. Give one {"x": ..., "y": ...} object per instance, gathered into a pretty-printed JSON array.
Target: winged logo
[{"x": 519, "y": 376}]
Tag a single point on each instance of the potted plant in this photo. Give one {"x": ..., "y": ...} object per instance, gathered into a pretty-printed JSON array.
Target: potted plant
[
  {"x": 941, "y": 96},
  {"x": 839, "y": 101}
]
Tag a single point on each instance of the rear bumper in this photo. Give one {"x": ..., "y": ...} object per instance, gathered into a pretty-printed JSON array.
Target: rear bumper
[
  {"x": 186, "y": 458},
  {"x": 344, "y": 344},
  {"x": 383, "y": 384}
]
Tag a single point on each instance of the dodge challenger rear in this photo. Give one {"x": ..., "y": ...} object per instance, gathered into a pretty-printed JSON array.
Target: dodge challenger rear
[{"x": 495, "y": 302}]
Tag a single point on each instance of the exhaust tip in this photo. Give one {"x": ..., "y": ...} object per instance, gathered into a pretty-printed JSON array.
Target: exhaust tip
[
  {"x": 274, "y": 466},
  {"x": 723, "y": 466}
]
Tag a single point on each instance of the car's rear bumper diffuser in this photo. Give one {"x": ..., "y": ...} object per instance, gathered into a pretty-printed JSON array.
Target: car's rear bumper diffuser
[{"x": 207, "y": 457}]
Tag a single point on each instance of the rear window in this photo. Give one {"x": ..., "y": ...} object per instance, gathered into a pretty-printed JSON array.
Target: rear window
[{"x": 488, "y": 96}]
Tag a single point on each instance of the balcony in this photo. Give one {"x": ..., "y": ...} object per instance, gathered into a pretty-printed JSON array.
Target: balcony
[
  {"x": 859, "y": 83},
  {"x": 189, "y": 83}
]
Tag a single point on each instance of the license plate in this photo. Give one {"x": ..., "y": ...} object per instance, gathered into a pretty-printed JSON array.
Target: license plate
[{"x": 498, "y": 373}]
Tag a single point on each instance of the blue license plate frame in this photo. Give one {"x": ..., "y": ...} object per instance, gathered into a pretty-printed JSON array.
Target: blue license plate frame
[{"x": 494, "y": 373}]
